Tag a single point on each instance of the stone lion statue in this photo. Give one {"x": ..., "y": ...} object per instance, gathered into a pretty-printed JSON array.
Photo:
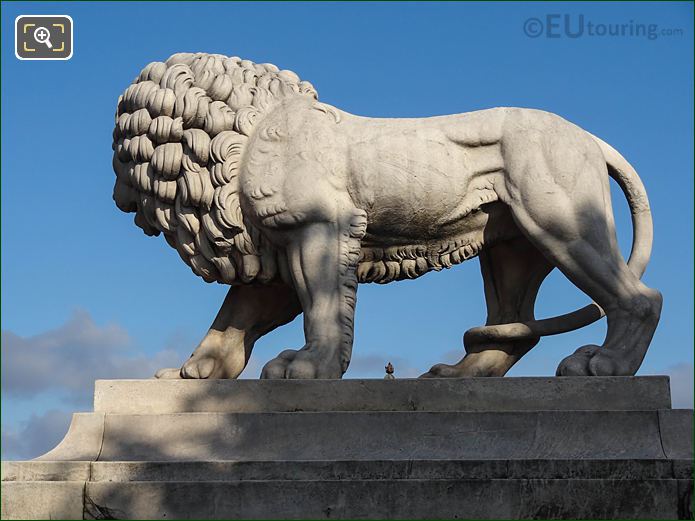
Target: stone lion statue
[{"x": 292, "y": 202}]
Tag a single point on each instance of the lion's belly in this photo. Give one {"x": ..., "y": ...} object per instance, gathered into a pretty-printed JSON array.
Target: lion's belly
[
  {"x": 416, "y": 184},
  {"x": 385, "y": 258},
  {"x": 428, "y": 189}
]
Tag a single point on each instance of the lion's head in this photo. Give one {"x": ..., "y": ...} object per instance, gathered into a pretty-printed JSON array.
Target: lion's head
[{"x": 181, "y": 128}]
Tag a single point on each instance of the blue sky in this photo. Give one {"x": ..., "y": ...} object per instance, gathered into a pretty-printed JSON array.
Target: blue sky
[{"x": 85, "y": 294}]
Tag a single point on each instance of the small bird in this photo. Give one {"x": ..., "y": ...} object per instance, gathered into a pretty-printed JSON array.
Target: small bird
[{"x": 389, "y": 372}]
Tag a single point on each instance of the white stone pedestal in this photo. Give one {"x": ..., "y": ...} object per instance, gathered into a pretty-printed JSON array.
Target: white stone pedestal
[{"x": 467, "y": 448}]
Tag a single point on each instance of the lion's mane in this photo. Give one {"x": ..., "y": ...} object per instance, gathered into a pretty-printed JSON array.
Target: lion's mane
[{"x": 181, "y": 129}]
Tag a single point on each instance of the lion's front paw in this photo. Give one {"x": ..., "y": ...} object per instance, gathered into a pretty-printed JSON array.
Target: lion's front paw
[
  {"x": 168, "y": 373},
  {"x": 217, "y": 356},
  {"x": 194, "y": 368},
  {"x": 305, "y": 363},
  {"x": 202, "y": 366},
  {"x": 277, "y": 367}
]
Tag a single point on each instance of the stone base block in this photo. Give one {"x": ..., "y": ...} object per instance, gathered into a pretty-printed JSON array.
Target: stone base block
[
  {"x": 350, "y": 499},
  {"x": 601, "y": 448},
  {"x": 42, "y": 499}
]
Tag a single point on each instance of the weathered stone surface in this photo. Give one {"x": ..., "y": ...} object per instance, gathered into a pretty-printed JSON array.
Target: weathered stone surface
[
  {"x": 42, "y": 500},
  {"x": 391, "y": 499},
  {"x": 382, "y": 435},
  {"x": 412, "y": 449},
  {"x": 390, "y": 469},
  {"x": 293, "y": 202},
  {"x": 123, "y": 471},
  {"x": 461, "y": 394},
  {"x": 36, "y": 470},
  {"x": 676, "y": 428},
  {"x": 357, "y": 499},
  {"x": 83, "y": 440}
]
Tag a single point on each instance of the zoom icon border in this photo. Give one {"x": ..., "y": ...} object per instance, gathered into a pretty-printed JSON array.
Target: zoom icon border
[{"x": 43, "y": 37}]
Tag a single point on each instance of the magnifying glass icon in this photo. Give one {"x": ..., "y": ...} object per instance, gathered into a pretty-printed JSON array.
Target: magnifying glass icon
[{"x": 43, "y": 35}]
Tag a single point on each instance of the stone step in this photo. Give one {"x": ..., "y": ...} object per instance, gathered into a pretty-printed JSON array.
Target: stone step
[
  {"x": 458, "y": 394},
  {"x": 354, "y": 499},
  {"x": 378, "y": 436},
  {"x": 125, "y": 471},
  {"x": 364, "y": 449}
]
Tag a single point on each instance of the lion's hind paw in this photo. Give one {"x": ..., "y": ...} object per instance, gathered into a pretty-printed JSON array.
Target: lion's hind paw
[
  {"x": 442, "y": 371},
  {"x": 577, "y": 364}
]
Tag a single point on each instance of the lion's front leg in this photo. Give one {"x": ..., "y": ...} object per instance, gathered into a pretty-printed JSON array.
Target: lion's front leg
[
  {"x": 322, "y": 258},
  {"x": 247, "y": 313}
]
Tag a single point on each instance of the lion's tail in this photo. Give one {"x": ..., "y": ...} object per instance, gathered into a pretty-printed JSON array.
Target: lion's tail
[{"x": 642, "y": 237}]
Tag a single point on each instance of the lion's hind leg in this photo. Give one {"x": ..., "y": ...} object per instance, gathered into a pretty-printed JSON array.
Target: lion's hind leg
[
  {"x": 512, "y": 274},
  {"x": 248, "y": 312},
  {"x": 557, "y": 189}
]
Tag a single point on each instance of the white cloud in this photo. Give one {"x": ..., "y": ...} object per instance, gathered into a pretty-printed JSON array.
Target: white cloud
[
  {"x": 36, "y": 436},
  {"x": 681, "y": 385},
  {"x": 68, "y": 360},
  {"x": 64, "y": 362}
]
